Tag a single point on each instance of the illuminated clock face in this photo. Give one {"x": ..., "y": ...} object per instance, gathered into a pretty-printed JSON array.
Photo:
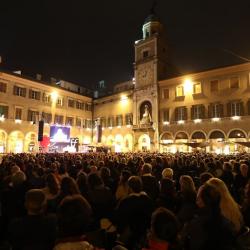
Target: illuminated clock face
[{"x": 145, "y": 76}]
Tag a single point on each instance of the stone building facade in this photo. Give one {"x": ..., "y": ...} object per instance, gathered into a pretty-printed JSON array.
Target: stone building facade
[{"x": 158, "y": 110}]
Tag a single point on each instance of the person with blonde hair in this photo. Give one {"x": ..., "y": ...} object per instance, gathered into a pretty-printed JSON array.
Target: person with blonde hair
[
  {"x": 228, "y": 206},
  {"x": 187, "y": 198}
]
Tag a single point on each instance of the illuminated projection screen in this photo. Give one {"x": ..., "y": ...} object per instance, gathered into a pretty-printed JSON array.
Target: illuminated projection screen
[{"x": 59, "y": 134}]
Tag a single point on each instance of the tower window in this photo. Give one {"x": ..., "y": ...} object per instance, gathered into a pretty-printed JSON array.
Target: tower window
[
  {"x": 147, "y": 33},
  {"x": 145, "y": 54}
]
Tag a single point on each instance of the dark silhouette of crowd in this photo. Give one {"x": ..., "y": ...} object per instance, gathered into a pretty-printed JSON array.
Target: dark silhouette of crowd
[{"x": 125, "y": 201}]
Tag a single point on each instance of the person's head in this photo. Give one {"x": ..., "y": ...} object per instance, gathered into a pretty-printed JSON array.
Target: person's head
[
  {"x": 227, "y": 166},
  {"x": 18, "y": 178},
  {"x": 167, "y": 187},
  {"x": 35, "y": 200},
  {"x": 204, "y": 177},
  {"x": 135, "y": 184},
  {"x": 94, "y": 180},
  {"x": 211, "y": 165},
  {"x": 167, "y": 173},
  {"x": 146, "y": 169},
  {"x": 14, "y": 169},
  {"x": 73, "y": 214},
  {"x": 82, "y": 177},
  {"x": 158, "y": 160},
  {"x": 164, "y": 225},
  {"x": 52, "y": 184},
  {"x": 125, "y": 175},
  {"x": 40, "y": 172},
  {"x": 208, "y": 196},
  {"x": 105, "y": 173},
  {"x": 62, "y": 170},
  {"x": 187, "y": 184},
  {"x": 227, "y": 204},
  {"x": 244, "y": 169},
  {"x": 68, "y": 187}
]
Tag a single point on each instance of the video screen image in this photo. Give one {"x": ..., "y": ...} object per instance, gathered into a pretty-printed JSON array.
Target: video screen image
[{"x": 59, "y": 134}]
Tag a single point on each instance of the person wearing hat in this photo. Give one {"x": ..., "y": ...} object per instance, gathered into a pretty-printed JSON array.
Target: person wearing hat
[{"x": 35, "y": 230}]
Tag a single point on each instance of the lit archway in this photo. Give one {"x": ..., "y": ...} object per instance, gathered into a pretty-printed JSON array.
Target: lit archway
[{"x": 144, "y": 142}]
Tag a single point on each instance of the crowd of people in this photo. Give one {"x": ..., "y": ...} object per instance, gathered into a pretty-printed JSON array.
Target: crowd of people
[{"x": 150, "y": 201}]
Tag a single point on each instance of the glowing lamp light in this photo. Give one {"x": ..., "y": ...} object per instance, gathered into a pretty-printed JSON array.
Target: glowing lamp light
[
  {"x": 54, "y": 96},
  {"x": 110, "y": 127},
  {"x": 215, "y": 119},
  {"x": 88, "y": 129},
  {"x": 217, "y": 151},
  {"x": 235, "y": 117},
  {"x": 18, "y": 120},
  {"x": 165, "y": 123},
  {"x": 188, "y": 86},
  {"x": 197, "y": 120},
  {"x": 103, "y": 128},
  {"x": 128, "y": 126},
  {"x": 181, "y": 122},
  {"x": 46, "y": 124},
  {"x": 118, "y": 126},
  {"x": 124, "y": 97}
]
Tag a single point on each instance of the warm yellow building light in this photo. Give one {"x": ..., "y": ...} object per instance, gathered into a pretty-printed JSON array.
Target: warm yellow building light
[
  {"x": 54, "y": 96},
  {"x": 188, "y": 86}
]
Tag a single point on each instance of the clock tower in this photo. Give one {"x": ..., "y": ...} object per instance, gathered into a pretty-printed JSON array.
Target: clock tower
[{"x": 152, "y": 63}]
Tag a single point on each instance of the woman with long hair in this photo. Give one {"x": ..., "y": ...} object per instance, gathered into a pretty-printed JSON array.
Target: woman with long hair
[
  {"x": 187, "y": 197},
  {"x": 122, "y": 191},
  {"x": 228, "y": 206},
  {"x": 52, "y": 187},
  {"x": 68, "y": 187},
  {"x": 99, "y": 197}
]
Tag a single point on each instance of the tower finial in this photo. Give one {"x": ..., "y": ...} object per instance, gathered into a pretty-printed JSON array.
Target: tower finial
[{"x": 153, "y": 4}]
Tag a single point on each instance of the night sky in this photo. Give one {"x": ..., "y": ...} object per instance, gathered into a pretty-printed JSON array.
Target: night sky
[{"x": 85, "y": 42}]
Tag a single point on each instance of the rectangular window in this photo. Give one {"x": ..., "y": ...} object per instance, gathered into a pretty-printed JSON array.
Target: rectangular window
[
  {"x": 59, "y": 101},
  {"x": 180, "y": 114},
  {"x": 78, "y": 122},
  {"x": 88, "y": 123},
  {"x": 32, "y": 115},
  {"x": 47, "y": 117},
  {"x": 197, "y": 88},
  {"x": 145, "y": 54},
  {"x": 70, "y": 121},
  {"x": 215, "y": 111},
  {"x": 110, "y": 121},
  {"x": 214, "y": 85},
  {"x": 88, "y": 107},
  {"x": 165, "y": 94},
  {"x": 4, "y": 111},
  {"x": 103, "y": 122},
  {"x": 3, "y": 87},
  {"x": 34, "y": 94},
  {"x": 19, "y": 91},
  {"x": 235, "y": 109},
  {"x": 47, "y": 98},
  {"x": 234, "y": 82},
  {"x": 180, "y": 91},
  {"x": 18, "y": 114},
  {"x": 129, "y": 119},
  {"x": 119, "y": 120},
  {"x": 166, "y": 116},
  {"x": 197, "y": 112},
  {"x": 79, "y": 105},
  {"x": 59, "y": 119},
  {"x": 71, "y": 103}
]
